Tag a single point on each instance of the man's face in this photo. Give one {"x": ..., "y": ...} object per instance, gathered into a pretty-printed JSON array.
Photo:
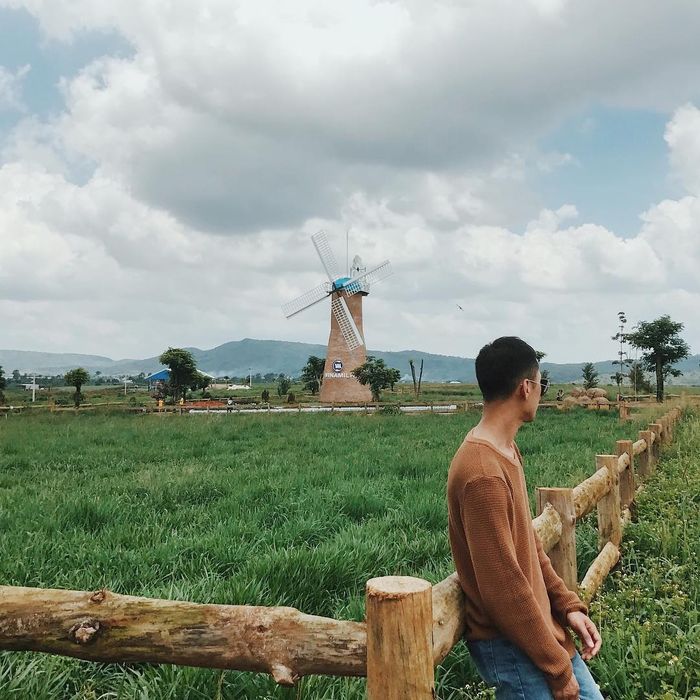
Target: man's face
[{"x": 533, "y": 394}]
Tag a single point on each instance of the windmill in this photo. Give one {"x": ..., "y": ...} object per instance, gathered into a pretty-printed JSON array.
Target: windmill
[{"x": 346, "y": 344}]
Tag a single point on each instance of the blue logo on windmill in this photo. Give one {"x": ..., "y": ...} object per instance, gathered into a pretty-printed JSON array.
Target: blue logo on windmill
[{"x": 337, "y": 365}]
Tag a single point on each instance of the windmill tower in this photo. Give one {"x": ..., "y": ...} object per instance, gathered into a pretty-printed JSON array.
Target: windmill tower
[{"x": 346, "y": 344}]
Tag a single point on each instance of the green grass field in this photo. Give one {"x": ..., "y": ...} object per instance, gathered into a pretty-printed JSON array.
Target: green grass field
[
  {"x": 649, "y": 613},
  {"x": 403, "y": 393},
  {"x": 295, "y": 510}
]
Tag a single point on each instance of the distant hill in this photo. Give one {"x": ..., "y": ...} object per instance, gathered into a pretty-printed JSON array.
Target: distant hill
[
  {"x": 240, "y": 357},
  {"x": 51, "y": 362}
]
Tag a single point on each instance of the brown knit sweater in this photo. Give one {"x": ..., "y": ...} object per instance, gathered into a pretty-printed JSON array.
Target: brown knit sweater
[{"x": 511, "y": 590}]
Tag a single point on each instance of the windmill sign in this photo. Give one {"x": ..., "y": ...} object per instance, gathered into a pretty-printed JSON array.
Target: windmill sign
[{"x": 346, "y": 344}]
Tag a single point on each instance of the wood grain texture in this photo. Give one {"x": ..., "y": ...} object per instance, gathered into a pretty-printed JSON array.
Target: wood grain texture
[
  {"x": 399, "y": 639},
  {"x": 104, "y": 626}
]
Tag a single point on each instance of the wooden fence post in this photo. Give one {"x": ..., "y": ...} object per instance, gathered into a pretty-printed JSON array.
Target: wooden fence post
[
  {"x": 624, "y": 412},
  {"x": 609, "y": 529},
  {"x": 627, "y": 476},
  {"x": 563, "y": 554},
  {"x": 664, "y": 435},
  {"x": 645, "y": 458},
  {"x": 399, "y": 639},
  {"x": 656, "y": 447}
]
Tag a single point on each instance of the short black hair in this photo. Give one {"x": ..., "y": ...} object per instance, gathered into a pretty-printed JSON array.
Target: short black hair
[{"x": 502, "y": 365}]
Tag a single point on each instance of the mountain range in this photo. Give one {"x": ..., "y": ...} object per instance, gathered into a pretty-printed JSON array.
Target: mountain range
[{"x": 241, "y": 357}]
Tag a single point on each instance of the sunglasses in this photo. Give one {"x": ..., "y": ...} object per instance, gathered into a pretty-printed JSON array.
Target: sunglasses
[{"x": 544, "y": 384}]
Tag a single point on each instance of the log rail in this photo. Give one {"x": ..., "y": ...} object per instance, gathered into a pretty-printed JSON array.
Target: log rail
[{"x": 403, "y": 613}]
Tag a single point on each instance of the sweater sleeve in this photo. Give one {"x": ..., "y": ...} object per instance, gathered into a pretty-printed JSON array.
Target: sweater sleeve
[
  {"x": 506, "y": 594},
  {"x": 562, "y": 599}
]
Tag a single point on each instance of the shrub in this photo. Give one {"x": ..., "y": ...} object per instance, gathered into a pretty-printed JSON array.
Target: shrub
[
  {"x": 291, "y": 398},
  {"x": 390, "y": 410},
  {"x": 283, "y": 385}
]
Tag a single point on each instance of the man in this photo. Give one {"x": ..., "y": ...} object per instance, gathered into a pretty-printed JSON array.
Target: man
[{"x": 517, "y": 607}]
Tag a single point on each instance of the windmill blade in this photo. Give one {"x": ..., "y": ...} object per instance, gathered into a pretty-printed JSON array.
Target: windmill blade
[
  {"x": 347, "y": 323},
  {"x": 326, "y": 254},
  {"x": 313, "y": 296},
  {"x": 376, "y": 274}
]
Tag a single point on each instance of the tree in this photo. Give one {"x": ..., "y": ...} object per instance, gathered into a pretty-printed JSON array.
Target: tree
[
  {"x": 638, "y": 379},
  {"x": 590, "y": 375},
  {"x": 201, "y": 381},
  {"x": 416, "y": 384},
  {"x": 283, "y": 385},
  {"x": 77, "y": 377},
  {"x": 540, "y": 355},
  {"x": 312, "y": 373},
  {"x": 617, "y": 377},
  {"x": 3, "y": 384},
  {"x": 663, "y": 347},
  {"x": 183, "y": 371},
  {"x": 621, "y": 337},
  {"x": 377, "y": 375}
]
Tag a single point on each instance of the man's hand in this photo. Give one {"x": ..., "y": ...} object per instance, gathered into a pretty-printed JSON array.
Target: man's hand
[
  {"x": 587, "y": 632},
  {"x": 569, "y": 692}
]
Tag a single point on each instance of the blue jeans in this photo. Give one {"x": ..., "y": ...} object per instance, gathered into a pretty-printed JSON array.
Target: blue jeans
[{"x": 506, "y": 668}]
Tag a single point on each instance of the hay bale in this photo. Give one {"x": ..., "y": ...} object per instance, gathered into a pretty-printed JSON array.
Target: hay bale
[
  {"x": 569, "y": 402},
  {"x": 601, "y": 401},
  {"x": 584, "y": 400},
  {"x": 600, "y": 393},
  {"x": 577, "y": 391}
]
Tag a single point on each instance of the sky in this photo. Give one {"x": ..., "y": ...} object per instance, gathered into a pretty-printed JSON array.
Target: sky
[{"x": 163, "y": 167}]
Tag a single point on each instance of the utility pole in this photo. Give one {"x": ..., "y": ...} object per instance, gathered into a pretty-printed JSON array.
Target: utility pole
[{"x": 34, "y": 388}]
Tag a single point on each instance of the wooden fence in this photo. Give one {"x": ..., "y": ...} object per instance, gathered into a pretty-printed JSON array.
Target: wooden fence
[{"x": 410, "y": 625}]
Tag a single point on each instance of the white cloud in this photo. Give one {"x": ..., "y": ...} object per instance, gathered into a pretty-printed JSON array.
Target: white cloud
[
  {"x": 11, "y": 89},
  {"x": 77, "y": 254},
  {"x": 414, "y": 124},
  {"x": 683, "y": 138},
  {"x": 239, "y": 115}
]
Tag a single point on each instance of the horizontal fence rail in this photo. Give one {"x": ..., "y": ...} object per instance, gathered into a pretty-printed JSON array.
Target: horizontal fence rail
[
  {"x": 105, "y": 626},
  {"x": 403, "y": 613}
]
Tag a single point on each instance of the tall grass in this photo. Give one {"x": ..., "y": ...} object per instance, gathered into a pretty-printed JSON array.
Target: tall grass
[
  {"x": 295, "y": 510},
  {"x": 649, "y": 612}
]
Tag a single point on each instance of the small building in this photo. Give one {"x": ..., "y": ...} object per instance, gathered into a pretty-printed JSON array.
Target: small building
[{"x": 162, "y": 375}]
